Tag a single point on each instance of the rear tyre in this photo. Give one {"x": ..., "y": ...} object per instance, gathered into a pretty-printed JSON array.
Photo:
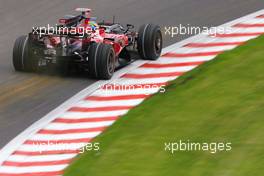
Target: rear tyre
[
  {"x": 23, "y": 58},
  {"x": 149, "y": 41},
  {"x": 101, "y": 61}
]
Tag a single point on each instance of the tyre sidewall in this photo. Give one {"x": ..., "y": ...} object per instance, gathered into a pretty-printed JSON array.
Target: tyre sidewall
[
  {"x": 146, "y": 41},
  {"x": 98, "y": 56}
]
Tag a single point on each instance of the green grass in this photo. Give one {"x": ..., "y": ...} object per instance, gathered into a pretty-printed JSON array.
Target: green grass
[{"x": 220, "y": 101}]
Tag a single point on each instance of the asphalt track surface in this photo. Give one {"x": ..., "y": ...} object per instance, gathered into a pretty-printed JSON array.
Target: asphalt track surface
[{"x": 26, "y": 97}]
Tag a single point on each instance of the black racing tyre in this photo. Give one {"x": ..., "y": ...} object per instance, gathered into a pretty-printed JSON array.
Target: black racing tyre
[
  {"x": 101, "y": 61},
  {"x": 149, "y": 41},
  {"x": 23, "y": 59}
]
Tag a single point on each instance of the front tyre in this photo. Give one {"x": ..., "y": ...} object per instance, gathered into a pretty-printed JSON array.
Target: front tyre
[
  {"x": 23, "y": 59},
  {"x": 101, "y": 61},
  {"x": 149, "y": 41}
]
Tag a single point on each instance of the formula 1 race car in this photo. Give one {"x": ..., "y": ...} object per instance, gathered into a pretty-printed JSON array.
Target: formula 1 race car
[{"x": 79, "y": 42}]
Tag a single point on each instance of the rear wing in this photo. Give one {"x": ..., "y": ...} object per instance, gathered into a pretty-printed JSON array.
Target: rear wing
[
  {"x": 76, "y": 19},
  {"x": 71, "y": 21}
]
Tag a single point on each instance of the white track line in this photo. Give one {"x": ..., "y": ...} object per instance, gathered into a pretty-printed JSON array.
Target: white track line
[
  {"x": 88, "y": 113},
  {"x": 21, "y": 158},
  {"x": 61, "y": 126}
]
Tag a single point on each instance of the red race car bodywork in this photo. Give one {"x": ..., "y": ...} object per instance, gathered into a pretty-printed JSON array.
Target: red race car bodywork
[{"x": 80, "y": 42}]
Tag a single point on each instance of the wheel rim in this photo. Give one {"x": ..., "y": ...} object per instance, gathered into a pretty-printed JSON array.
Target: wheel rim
[
  {"x": 111, "y": 63},
  {"x": 158, "y": 44}
]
